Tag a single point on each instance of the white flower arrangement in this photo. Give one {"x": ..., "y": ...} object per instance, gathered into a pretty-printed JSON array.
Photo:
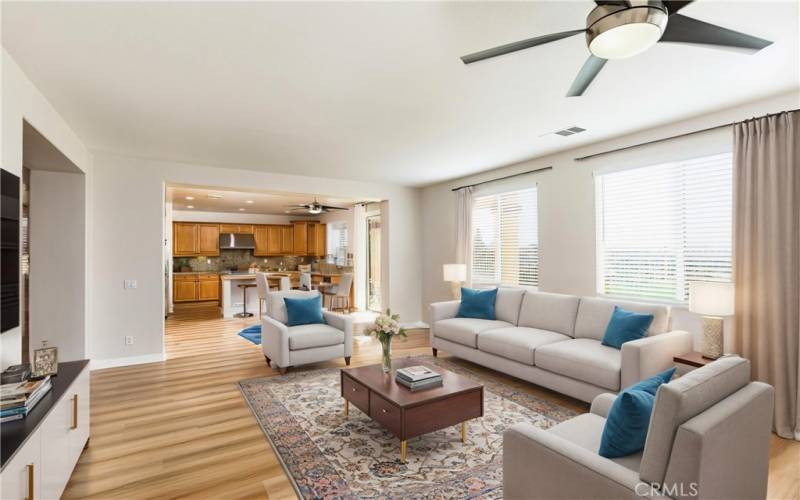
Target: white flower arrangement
[{"x": 386, "y": 327}]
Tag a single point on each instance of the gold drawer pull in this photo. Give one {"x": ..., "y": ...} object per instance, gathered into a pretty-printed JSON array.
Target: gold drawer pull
[
  {"x": 354, "y": 389},
  {"x": 30, "y": 482},
  {"x": 383, "y": 410},
  {"x": 74, "y": 412}
]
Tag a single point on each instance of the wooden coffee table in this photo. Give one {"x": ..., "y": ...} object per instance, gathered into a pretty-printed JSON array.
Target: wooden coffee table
[{"x": 410, "y": 414}]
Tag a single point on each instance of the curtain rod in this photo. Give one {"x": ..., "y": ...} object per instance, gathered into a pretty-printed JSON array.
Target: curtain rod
[
  {"x": 655, "y": 141},
  {"x": 503, "y": 178}
]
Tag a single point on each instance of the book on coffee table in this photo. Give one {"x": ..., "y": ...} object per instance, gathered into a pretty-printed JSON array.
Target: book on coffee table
[
  {"x": 419, "y": 386},
  {"x": 417, "y": 373}
]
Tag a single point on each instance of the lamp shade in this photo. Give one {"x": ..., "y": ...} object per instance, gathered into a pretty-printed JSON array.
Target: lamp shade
[
  {"x": 455, "y": 272},
  {"x": 711, "y": 299}
]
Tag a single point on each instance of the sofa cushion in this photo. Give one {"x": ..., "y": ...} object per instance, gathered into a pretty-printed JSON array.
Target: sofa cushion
[
  {"x": 276, "y": 307},
  {"x": 506, "y": 307},
  {"x": 582, "y": 359},
  {"x": 685, "y": 398},
  {"x": 549, "y": 311},
  {"x": 477, "y": 304},
  {"x": 585, "y": 430},
  {"x": 517, "y": 343},
  {"x": 465, "y": 331},
  {"x": 316, "y": 335},
  {"x": 594, "y": 314}
]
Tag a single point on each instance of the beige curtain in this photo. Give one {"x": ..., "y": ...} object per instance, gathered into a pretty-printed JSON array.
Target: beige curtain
[
  {"x": 766, "y": 254},
  {"x": 464, "y": 230}
]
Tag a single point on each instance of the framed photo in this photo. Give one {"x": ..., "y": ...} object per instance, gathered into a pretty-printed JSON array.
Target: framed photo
[{"x": 45, "y": 362}]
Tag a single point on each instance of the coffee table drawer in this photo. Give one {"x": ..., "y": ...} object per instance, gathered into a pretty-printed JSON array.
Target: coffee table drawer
[
  {"x": 435, "y": 415},
  {"x": 355, "y": 393},
  {"x": 387, "y": 414}
]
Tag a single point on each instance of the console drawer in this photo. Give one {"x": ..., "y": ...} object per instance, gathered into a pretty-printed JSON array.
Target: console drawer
[
  {"x": 355, "y": 393},
  {"x": 386, "y": 414}
]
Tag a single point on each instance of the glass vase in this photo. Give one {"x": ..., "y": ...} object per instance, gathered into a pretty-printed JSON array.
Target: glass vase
[{"x": 386, "y": 357}]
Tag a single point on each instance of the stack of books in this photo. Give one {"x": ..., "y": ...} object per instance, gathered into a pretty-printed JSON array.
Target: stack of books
[
  {"x": 417, "y": 378},
  {"x": 18, "y": 399}
]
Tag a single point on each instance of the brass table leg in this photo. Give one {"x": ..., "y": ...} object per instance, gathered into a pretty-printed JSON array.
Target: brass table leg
[
  {"x": 403, "y": 450},
  {"x": 346, "y": 408},
  {"x": 463, "y": 432}
]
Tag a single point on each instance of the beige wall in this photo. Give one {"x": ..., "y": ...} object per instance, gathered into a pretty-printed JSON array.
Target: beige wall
[{"x": 566, "y": 200}]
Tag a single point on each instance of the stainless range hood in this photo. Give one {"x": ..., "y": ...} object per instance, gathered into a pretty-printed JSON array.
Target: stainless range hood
[{"x": 231, "y": 241}]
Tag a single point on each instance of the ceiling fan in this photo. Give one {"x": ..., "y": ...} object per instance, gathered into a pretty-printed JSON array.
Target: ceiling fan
[
  {"x": 312, "y": 208},
  {"x": 616, "y": 29}
]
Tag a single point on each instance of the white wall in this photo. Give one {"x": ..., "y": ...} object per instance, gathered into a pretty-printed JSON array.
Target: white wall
[
  {"x": 129, "y": 219},
  {"x": 57, "y": 247},
  {"x": 566, "y": 200},
  {"x": 235, "y": 218},
  {"x": 22, "y": 100}
]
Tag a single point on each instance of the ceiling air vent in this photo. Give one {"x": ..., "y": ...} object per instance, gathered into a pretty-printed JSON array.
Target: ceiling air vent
[{"x": 569, "y": 131}]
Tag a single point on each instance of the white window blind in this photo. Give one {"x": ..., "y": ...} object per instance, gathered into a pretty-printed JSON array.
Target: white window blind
[
  {"x": 662, "y": 226},
  {"x": 337, "y": 242},
  {"x": 505, "y": 238}
]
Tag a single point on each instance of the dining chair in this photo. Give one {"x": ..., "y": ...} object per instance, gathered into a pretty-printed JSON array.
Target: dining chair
[
  {"x": 305, "y": 281},
  {"x": 340, "y": 293},
  {"x": 263, "y": 289}
]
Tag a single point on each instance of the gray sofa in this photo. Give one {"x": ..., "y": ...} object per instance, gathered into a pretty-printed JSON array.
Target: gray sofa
[
  {"x": 708, "y": 438},
  {"x": 553, "y": 340}
]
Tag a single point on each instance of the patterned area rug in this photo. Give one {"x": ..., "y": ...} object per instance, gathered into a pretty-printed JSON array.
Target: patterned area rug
[{"x": 329, "y": 456}]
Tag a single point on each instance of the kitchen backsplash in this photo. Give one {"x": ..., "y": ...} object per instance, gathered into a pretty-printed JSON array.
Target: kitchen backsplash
[{"x": 235, "y": 258}]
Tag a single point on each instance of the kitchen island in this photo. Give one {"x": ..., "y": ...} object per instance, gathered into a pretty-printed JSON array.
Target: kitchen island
[{"x": 233, "y": 296}]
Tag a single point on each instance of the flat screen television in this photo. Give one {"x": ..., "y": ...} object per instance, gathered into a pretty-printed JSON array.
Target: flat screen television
[{"x": 9, "y": 246}]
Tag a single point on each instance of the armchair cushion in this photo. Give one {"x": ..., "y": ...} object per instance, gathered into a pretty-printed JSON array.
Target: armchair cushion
[
  {"x": 625, "y": 326},
  {"x": 478, "y": 304},
  {"x": 305, "y": 311},
  {"x": 582, "y": 359},
  {"x": 314, "y": 335},
  {"x": 586, "y": 431}
]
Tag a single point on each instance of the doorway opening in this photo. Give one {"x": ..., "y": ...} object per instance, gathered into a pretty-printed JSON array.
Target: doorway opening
[{"x": 374, "y": 262}]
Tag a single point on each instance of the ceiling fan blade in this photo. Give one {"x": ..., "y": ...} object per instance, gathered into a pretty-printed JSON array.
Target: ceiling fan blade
[
  {"x": 674, "y": 6},
  {"x": 586, "y": 75},
  {"x": 327, "y": 207},
  {"x": 515, "y": 46},
  {"x": 683, "y": 29},
  {"x": 612, "y": 2}
]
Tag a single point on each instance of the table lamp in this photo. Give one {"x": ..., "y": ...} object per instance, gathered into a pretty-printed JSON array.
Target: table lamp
[
  {"x": 455, "y": 274},
  {"x": 712, "y": 301}
]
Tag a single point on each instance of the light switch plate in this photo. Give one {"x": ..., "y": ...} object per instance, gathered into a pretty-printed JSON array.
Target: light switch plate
[{"x": 130, "y": 284}]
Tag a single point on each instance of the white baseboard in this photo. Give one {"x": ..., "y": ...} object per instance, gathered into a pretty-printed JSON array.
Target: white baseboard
[
  {"x": 99, "y": 364},
  {"x": 414, "y": 324}
]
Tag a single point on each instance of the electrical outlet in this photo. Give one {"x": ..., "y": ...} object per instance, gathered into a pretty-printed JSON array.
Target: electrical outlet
[
  {"x": 128, "y": 339},
  {"x": 130, "y": 284}
]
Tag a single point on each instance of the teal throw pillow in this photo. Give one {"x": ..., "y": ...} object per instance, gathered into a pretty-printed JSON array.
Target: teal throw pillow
[
  {"x": 625, "y": 326},
  {"x": 304, "y": 311},
  {"x": 478, "y": 304}
]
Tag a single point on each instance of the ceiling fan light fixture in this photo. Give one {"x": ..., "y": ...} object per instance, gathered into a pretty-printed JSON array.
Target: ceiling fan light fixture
[
  {"x": 626, "y": 32},
  {"x": 315, "y": 209}
]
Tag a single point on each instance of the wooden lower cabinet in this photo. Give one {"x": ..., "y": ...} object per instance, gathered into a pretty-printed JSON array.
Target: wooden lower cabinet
[{"x": 195, "y": 287}]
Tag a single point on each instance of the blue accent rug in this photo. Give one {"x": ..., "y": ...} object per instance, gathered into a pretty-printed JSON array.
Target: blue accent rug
[{"x": 252, "y": 333}]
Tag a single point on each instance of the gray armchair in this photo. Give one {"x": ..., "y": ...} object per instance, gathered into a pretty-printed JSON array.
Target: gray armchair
[
  {"x": 708, "y": 438},
  {"x": 286, "y": 346}
]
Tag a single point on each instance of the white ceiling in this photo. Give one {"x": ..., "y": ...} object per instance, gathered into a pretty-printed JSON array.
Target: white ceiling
[
  {"x": 370, "y": 90},
  {"x": 234, "y": 201}
]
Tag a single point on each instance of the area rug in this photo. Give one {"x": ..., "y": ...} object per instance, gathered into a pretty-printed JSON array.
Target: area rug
[
  {"x": 252, "y": 333},
  {"x": 329, "y": 456}
]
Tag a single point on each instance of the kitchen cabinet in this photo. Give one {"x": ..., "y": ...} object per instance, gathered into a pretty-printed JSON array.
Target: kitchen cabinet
[
  {"x": 261, "y": 237},
  {"x": 190, "y": 239},
  {"x": 287, "y": 240},
  {"x": 237, "y": 228},
  {"x": 195, "y": 287},
  {"x": 320, "y": 247},
  {"x": 274, "y": 240},
  {"x": 300, "y": 238},
  {"x": 184, "y": 239},
  {"x": 208, "y": 239}
]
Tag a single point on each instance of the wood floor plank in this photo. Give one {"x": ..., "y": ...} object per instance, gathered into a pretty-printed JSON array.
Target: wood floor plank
[{"x": 181, "y": 429}]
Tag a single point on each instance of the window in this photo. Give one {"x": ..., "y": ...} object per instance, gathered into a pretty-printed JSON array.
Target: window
[
  {"x": 337, "y": 242},
  {"x": 505, "y": 239},
  {"x": 662, "y": 226}
]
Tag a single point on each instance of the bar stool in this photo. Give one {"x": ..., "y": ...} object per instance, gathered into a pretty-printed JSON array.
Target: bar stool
[{"x": 244, "y": 313}]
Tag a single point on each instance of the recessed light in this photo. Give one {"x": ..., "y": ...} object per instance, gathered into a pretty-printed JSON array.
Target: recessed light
[
  {"x": 249, "y": 201},
  {"x": 190, "y": 198},
  {"x": 241, "y": 209},
  {"x": 215, "y": 196},
  {"x": 189, "y": 206}
]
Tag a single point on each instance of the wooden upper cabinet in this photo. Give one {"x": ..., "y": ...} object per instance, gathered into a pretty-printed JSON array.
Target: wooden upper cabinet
[
  {"x": 237, "y": 228},
  {"x": 185, "y": 239},
  {"x": 208, "y": 239},
  {"x": 274, "y": 240},
  {"x": 287, "y": 240},
  {"x": 261, "y": 237},
  {"x": 321, "y": 240},
  {"x": 300, "y": 238},
  {"x": 312, "y": 239}
]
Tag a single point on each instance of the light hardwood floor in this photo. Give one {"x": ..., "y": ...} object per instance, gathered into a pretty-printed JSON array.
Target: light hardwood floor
[{"x": 181, "y": 429}]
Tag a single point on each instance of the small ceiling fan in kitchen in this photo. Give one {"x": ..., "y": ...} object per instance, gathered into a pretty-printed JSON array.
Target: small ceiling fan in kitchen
[
  {"x": 312, "y": 208},
  {"x": 616, "y": 29}
]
